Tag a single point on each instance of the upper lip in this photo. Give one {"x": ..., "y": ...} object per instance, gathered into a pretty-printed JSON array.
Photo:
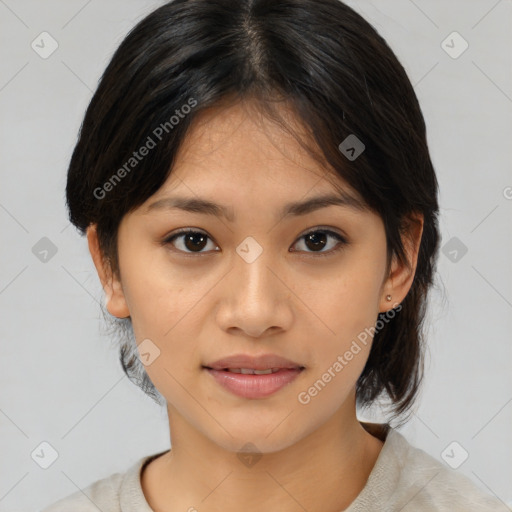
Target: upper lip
[{"x": 262, "y": 362}]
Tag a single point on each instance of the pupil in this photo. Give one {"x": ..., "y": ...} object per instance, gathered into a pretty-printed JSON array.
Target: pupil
[
  {"x": 318, "y": 238},
  {"x": 197, "y": 241},
  {"x": 195, "y": 245}
]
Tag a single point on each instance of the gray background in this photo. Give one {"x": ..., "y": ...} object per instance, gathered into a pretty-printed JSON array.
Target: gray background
[{"x": 60, "y": 380}]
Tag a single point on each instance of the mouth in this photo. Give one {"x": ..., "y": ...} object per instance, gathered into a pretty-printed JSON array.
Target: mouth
[
  {"x": 252, "y": 371},
  {"x": 248, "y": 364},
  {"x": 253, "y": 376},
  {"x": 250, "y": 383}
]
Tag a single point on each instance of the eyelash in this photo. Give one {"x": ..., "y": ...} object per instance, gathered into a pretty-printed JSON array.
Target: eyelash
[{"x": 342, "y": 241}]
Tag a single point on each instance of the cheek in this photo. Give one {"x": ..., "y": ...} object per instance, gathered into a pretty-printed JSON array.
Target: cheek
[
  {"x": 348, "y": 311},
  {"x": 160, "y": 296},
  {"x": 164, "y": 308},
  {"x": 349, "y": 303},
  {"x": 341, "y": 352}
]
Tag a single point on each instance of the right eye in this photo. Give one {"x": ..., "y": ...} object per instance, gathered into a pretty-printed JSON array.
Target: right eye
[{"x": 189, "y": 241}]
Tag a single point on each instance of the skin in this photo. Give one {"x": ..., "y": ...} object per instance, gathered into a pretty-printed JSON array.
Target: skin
[{"x": 197, "y": 308}]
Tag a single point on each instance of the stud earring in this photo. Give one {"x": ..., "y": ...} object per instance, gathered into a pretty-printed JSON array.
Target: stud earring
[{"x": 388, "y": 298}]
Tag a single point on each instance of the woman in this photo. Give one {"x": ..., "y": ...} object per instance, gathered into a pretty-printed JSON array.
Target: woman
[{"x": 255, "y": 185}]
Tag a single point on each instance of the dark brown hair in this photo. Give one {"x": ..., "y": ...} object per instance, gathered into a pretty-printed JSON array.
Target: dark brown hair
[{"x": 340, "y": 78}]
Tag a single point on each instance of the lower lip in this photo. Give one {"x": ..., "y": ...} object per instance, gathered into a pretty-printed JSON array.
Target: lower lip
[{"x": 254, "y": 386}]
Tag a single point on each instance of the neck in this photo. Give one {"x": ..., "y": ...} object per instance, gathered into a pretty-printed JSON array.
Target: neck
[{"x": 324, "y": 471}]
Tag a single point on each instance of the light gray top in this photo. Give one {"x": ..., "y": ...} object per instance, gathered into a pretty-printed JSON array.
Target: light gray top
[{"x": 404, "y": 478}]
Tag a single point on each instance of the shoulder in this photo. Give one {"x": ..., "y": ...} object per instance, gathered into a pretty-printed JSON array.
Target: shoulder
[
  {"x": 424, "y": 483},
  {"x": 100, "y": 495},
  {"x": 106, "y": 494}
]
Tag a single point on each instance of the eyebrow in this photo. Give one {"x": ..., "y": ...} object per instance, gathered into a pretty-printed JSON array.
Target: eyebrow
[{"x": 295, "y": 209}]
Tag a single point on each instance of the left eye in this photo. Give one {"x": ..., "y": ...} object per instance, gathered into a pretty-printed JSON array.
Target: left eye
[
  {"x": 317, "y": 239},
  {"x": 193, "y": 241}
]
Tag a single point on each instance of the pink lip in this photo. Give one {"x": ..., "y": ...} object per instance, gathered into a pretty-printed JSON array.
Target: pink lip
[
  {"x": 254, "y": 386},
  {"x": 262, "y": 362}
]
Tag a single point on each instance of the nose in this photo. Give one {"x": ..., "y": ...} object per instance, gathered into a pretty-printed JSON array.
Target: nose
[{"x": 255, "y": 297}]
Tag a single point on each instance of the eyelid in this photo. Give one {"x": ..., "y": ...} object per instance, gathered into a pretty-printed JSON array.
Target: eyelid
[
  {"x": 325, "y": 229},
  {"x": 168, "y": 239},
  {"x": 342, "y": 240}
]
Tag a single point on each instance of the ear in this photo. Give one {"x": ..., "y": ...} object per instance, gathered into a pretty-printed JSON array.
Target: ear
[
  {"x": 115, "y": 300},
  {"x": 400, "y": 278}
]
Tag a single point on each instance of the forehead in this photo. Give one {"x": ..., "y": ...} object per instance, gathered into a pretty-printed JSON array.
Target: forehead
[{"x": 238, "y": 150}]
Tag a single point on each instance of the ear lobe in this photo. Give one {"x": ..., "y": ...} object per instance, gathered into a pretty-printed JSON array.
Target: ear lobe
[
  {"x": 114, "y": 296},
  {"x": 401, "y": 277}
]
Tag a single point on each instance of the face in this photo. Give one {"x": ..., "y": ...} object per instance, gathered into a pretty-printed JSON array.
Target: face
[{"x": 300, "y": 286}]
